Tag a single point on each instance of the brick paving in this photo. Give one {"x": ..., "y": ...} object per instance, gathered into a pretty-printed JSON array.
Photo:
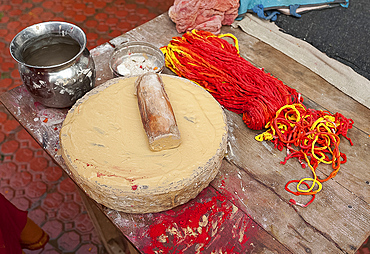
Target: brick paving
[{"x": 28, "y": 176}]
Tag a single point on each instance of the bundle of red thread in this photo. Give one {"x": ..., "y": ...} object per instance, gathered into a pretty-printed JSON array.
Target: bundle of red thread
[{"x": 235, "y": 83}]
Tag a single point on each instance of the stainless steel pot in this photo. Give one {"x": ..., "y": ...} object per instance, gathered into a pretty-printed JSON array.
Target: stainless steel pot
[{"x": 57, "y": 85}]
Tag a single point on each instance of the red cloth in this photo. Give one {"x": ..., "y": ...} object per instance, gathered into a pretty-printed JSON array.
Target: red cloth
[
  {"x": 203, "y": 15},
  {"x": 12, "y": 222}
]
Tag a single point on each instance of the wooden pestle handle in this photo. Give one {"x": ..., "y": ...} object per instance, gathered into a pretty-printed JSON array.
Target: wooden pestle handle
[{"x": 156, "y": 113}]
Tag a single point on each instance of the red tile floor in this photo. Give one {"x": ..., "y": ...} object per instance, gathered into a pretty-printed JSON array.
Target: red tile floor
[{"x": 28, "y": 176}]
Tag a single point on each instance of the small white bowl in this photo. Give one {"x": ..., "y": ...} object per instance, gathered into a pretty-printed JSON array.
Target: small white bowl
[{"x": 136, "y": 58}]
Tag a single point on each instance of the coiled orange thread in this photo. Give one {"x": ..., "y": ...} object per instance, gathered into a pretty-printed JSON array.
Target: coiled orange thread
[{"x": 311, "y": 136}]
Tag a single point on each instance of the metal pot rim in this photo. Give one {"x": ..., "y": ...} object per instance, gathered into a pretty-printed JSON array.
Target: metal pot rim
[{"x": 13, "y": 43}]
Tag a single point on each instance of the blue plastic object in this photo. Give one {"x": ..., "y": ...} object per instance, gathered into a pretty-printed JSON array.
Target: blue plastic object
[{"x": 266, "y": 9}]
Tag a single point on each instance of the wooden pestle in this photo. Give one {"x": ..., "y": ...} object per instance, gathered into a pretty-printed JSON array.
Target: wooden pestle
[{"x": 156, "y": 113}]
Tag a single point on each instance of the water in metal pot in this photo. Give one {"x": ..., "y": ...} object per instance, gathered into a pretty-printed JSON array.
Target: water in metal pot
[
  {"x": 50, "y": 50},
  {"x": 54, "y": 63}
]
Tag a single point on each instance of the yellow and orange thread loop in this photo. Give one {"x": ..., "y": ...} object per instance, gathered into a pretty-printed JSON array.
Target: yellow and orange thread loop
[
  {"x": 265, "y": 102},
  {"x": 311, "y": 136}
]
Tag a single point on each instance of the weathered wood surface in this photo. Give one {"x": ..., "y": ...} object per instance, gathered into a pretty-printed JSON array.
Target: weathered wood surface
[
  {"x": 251, "y": 178},
  {"x": 338, "y": 219}
]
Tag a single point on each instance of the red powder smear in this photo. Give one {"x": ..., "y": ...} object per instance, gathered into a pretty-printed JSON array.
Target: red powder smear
[
  {"x": 98, "y": 174},
  {"x": 223, "y": 184},
  {"x": 190, "y": 228}
]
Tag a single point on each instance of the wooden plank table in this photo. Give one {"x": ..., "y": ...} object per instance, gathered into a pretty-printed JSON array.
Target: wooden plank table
[{"x": 245, "y": 209}]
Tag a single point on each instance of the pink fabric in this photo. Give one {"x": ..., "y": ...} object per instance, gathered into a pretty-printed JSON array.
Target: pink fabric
[
  {"x": 12, "y": 222},
  {"x": 207, "y": 15}
]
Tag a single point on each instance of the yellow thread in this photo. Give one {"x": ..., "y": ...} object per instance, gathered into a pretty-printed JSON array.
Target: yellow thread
[
  {"x": 234, "y": 39},
  {"x": 314, "y": 180}
]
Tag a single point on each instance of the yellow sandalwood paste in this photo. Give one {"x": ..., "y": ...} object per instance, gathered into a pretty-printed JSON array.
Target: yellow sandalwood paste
[{"x": 106, "y": 149}]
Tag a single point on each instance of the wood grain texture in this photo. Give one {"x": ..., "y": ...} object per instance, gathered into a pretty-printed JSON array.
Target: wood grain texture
[
  {"x": 252, "y": 177},
  {"x": 339, "y": 212}
]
